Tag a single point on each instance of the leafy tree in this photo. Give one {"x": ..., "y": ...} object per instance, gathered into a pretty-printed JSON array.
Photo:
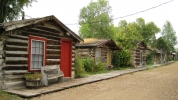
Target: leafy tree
[
  {"x": 148, "y": 31},
  {"x": 169, "y": 35},
  {"x": 164, "y": 46},
  {"x": 139, "y": 30},
  {"x": 11, "y": 9},
  {"x": 96, "y": 20},
  {"x": 127, "y": 34}
]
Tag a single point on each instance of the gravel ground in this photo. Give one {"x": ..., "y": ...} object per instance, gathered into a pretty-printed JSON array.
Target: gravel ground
[{"x": 155, "y": 84}]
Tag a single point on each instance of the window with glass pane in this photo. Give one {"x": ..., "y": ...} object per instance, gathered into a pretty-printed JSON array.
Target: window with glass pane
[
  {"x": 37, "y": 54},
  {"x": 97, "y": 56}
]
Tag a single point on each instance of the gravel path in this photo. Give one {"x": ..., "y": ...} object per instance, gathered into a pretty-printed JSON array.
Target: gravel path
[{"x": 156, "y": 84}]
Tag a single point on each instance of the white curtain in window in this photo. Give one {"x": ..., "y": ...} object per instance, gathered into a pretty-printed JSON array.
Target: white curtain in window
[
  {"x": 37, "y": 54},
  {"x": 97, "y": 56}
]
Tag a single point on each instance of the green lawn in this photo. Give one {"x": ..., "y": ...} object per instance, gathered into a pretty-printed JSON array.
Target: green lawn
[
  {"x": 7, "y": 96},
  {"x": 107, "y": 71},
  {"x": 100, "y": 72}
]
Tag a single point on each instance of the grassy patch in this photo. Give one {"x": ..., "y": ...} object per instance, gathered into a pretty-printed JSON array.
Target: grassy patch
[
  {"x": 7, "y": 96},
  {"x": 150, "y": 67},
  {"x": 83, "y": 75},
  {"x": 125, "y": 68},
  {"x": 107, "y": 71},
  {"x": 100, "y": 72}
]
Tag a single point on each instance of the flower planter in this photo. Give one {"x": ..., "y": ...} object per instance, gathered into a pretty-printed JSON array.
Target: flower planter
[{"x": 35, "y": 83}]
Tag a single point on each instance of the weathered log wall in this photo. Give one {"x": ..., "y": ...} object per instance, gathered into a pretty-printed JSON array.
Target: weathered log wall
[
  {"x": 90, "y": 52},
  {"x": 86, "y": 52},
  {"x": 14, "y": 51},
  {"x": 136, "y": 56},
  {"x": 1, "y": 60}
]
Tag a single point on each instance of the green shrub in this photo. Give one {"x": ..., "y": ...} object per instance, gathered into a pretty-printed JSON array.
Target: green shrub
[
  {"x": 169, "y": 58},
  {"x": 121, "y": 59},
  {"x": 149, "y": 57},
  {"x": 99, "y": 67},
  {"x": 89, "y": 64},
  {"x": 79, "y": 68}
]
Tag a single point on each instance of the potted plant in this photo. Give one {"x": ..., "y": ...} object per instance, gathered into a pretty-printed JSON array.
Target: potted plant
[{"x": 33, "y": 80}]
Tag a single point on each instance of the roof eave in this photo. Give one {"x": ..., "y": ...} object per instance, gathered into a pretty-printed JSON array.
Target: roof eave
[{"x": 30, "y": 22}]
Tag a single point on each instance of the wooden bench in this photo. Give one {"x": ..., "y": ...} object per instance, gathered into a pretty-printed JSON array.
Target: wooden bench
[{"x": 51, "y": 73}]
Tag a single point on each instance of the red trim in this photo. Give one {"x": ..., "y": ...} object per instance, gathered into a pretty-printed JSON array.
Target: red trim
[
  {"x": 67, "y": 40},
  {"x": 29, "y": 51}
]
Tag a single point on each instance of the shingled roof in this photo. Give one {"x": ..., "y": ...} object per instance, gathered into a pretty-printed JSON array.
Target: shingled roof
[
  {"x": 91, "y": 42},
  {"x": 7, "y": 26}
]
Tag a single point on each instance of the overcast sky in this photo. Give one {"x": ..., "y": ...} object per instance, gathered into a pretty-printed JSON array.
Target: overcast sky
[{"x": 68, "y": 11}]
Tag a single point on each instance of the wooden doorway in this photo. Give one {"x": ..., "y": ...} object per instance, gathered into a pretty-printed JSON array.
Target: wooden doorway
[
  {"x": 141, "y": 58},
  {"x": 66, "y": 57},
  {"x": 109, "y": 58}
]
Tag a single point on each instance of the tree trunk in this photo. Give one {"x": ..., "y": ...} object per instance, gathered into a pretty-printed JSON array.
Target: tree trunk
[{"x": 165, "y": 57}]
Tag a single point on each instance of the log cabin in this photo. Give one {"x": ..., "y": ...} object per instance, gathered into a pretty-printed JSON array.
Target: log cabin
[
  {"x": 139, "y": 54},
  {"x": 28, "y": 44},
  {"x": 101, "y": 50}
]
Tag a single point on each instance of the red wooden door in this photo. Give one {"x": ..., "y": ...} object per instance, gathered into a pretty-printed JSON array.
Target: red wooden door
[{"x": 66, "y": 57}]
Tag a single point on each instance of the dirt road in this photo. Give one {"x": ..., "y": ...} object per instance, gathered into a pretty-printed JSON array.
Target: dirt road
[{"x": 156, "y": 84}]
